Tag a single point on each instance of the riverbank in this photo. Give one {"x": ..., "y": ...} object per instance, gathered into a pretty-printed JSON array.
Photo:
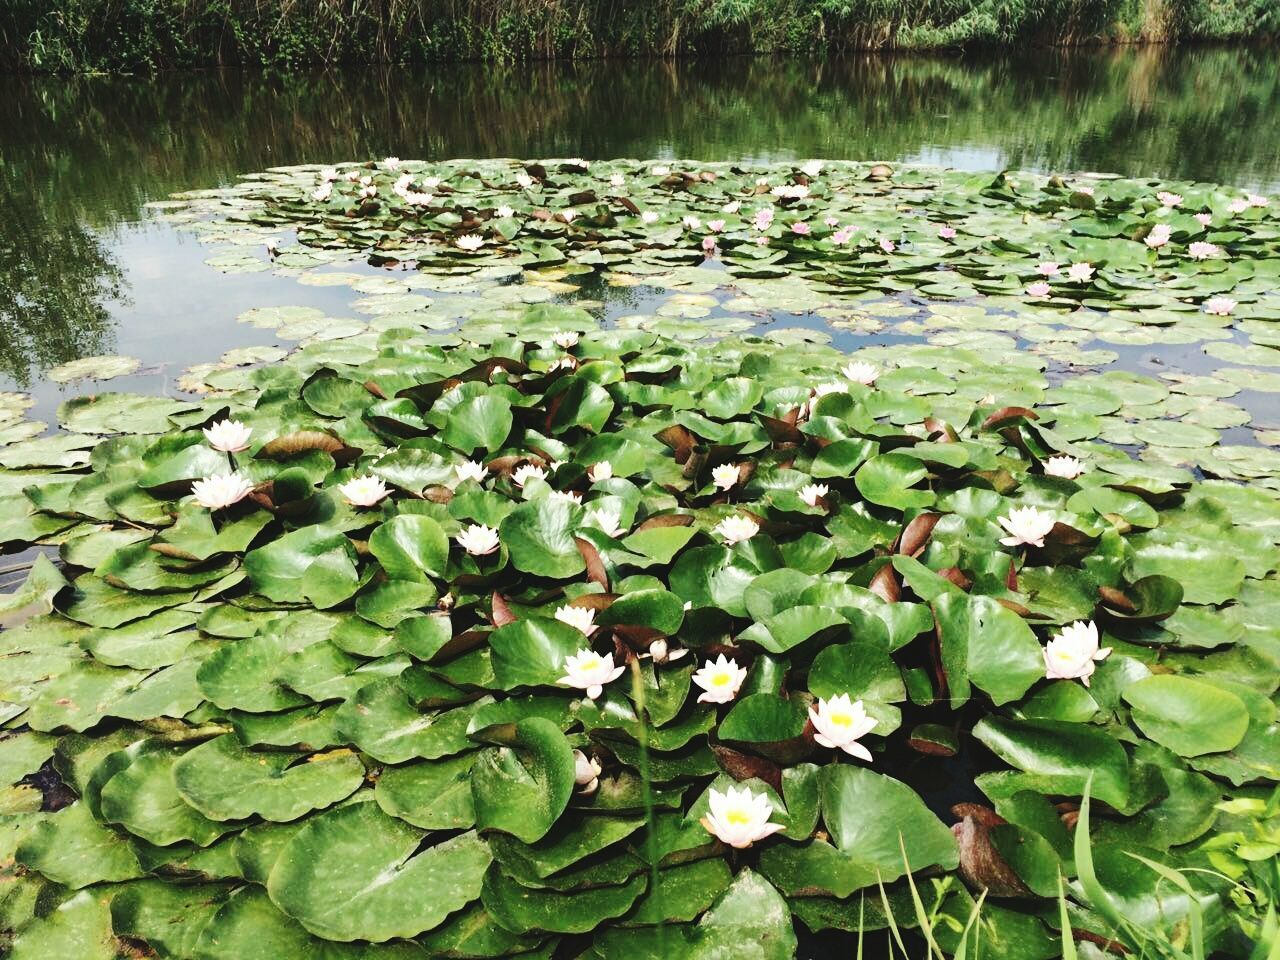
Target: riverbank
[{"x": 147, "y": 35}]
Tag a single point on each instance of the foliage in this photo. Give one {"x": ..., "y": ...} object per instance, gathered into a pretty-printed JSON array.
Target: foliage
[{"x": 155, "y": 34}]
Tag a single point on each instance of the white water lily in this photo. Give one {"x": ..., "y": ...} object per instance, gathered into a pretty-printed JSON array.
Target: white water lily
[
  {"x": 1202, "y": 250},
  {"x": 733, "y": 206},
  {"x": 416, "y": 199},
  {"x": 368, "y": 191},
  {"x": 1219, "y": 306},
  {"x": 737, "y": 529},
  {"x": 583, "y": 618},
  {"x": 607, "y": 520},
  {"x": 1158, "y": 236},
  {"x": 1068, "y": 468},
  {"x": 221, "y": 490},
  {"x": 587, "y": 670},
  {"x": 661, "y": 652},
  {"x": 720, "y": 680},
  {"x": 617, "y": 180},
  {"x": 322, "y": 193},
  {"x": 228, "y": 436},
  {"x": 524, "y": 180},
  {"x": 569, "y": 214},
  {"x": 1080, "y": 272},
  {"x": 725, "y": 476},
  {"x": 739, "y": 817},
  {"x": 478, "y": 540},
  {"x": 471, "y": 470},
  {"x": 1025, "y": 525},
  {"x": 1073, "y": 654},
  {"x": 578, "y": 162},
  {"x": 813, "y": 492},
  {"x": 431, "y": 182},
  {"x": 649, "y": 217},
  {"x": 790, "y": 191},
  {"x": 564, "y": 363},
  {"x": 363, "y": 491},
  {"x": 403, "y": 182},
  {"x": 1258, "y": 200},
  {"x": 526, "y": 472},
  {"x": 272, "y": 245},
  {"x": 586, "y": 772},
  {"x": 812, "y": 168},
  {"x": 659, "y": 171},
  {"x": 328, "y": 174},
  {"x": 352, "y": 176},
  {"x": 600, "y": 471},
  {"x": 565, "y": 339},
  {"x": 503, "y": 212},
  {"x": 1169, "y": 199},
  {"x": 840, "y": 723},
  {"x": 1238, "y": 205},
  {"x": 571, "y": 495},
  {"x": 691, "y": 222},
  {"x": 822, "y": 389},
  {"x": 391, "y": 163},
  {"x": 859, "y": 371},
  {"x": 469, "y": 242}
]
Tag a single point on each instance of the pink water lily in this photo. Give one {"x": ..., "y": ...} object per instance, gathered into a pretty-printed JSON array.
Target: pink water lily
[
  {"x": 1220, "y": 306},
  {"x": 1047, "y": 268},
  {"x": 947, "y": 232},
  {"x": 1168, "y": 199},
  {"x": 1158, "y": 235},
  {"x": 1039, "y": 289},
  {"x": 1202, "y": 250},
  {"x": 800, "y": 228}
]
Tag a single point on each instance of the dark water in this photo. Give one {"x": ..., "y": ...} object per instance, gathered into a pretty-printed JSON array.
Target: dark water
[{"x": 83, "y": 271}]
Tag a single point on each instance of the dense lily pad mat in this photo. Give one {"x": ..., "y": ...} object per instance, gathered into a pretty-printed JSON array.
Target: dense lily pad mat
[{"x": 300, "y": 726}]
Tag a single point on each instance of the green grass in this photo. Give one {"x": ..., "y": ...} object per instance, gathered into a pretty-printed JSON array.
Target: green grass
[{"x": 139, "y": 35}]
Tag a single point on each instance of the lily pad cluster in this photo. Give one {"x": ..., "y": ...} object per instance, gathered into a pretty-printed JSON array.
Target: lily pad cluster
[{"x": 471, "y": 645}]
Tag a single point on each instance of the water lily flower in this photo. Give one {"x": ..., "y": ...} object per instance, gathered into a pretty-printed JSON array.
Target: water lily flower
[
  {"x": 1239, "y": 205},
  {"x": 322, "y": 193},
  {"x": 605, "y": 519},
  {"x": 1068, "y": 468},
  {"x": 564, "y": 363},
  {"x": 503, "y": 212},
  {"x": 887, "y": 245},
  {"x": 368, "y": 192},
  {"x": 709, "y": 245},
  {"x": 733, "y": 206},
  {"x": 617, "y": 180},
  {"x": 569, "y": 215},
  {"x": 1047, "y": 268},
  {"x": 416, "y": 199},
  {"x": 1080, "y": 272},
  {"x": 1087, "y": 191},
  {"x": 790, "y": 191},
  {"x": 391, "y": 163},
  {"x": 328, "y": 174},
  {"x": 811, "y": 168},
  {"x": 763, "y": 218},
  {"x": 524, "y": 180},
  {"x": 526, "y": 472},
  {"x": 1220, "y": 306},
  {"x": 471, "y": 470},
  {"x": 578, "y": 162},
  {"x": 737, "y": 529},
  {"x": 352, "y": 176},
  {"x": 649, "y": 217},
  {"x": 762, "y": 241},
  {"x": 478, "y": 540},
  {"x": 715, "y": 226},
  {"x": 659, "y": 171},
  {"x": 403, "y": 182},
  {"x": 947, "y": 232},
  {"x": 1169, "y": 199},
  {"x": 832, "y": 386},
  {"x": 859, "y": 371},
  {"x": 587, "y": 670},
  {"x": 431, "y": 182},
  {"x": 691, "y": 222},
  {"x": 364, "y": 491},
  {"x": 1202, "y": 250},
  {"x": 720, "y": 680},
  {"x": 221, "y": 490},
  {"x": 583, "y": 618},
  {"x": 228, "y": 436},
  {"x": 843, "y": 235},
  {"x": 366, "y": 180},
  {"x": 839, "y": 723},
  {"x": 739, "y": 817},
  {"x": 565, "y": 339},
  {"x": 801, "y": 228},
  {"x": 1039, "y": 289},
  {"x": 469, "y": 242},
  {"x": 1204, "y": 219},
  {"x": 1025, "y": 525},
  {"x": 1073, "y": 654},
  {"x": 1158, "y": 236},
  {"x": 1257, "y": 200},
  {"x": 661, "y": 652},
  {"x": 272, "y": 245},
  {"x": 725, "y": 476},
  {"x": 813, "y": 492},
  {"x": 600, "y": 471},
  {"x": 569, "y": 495},
  {"x": 586, "y": 772},
  {"x": 831, "y": 221}
]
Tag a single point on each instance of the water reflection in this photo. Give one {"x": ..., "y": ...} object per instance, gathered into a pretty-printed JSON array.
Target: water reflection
[{"x": 80, "y": 156}]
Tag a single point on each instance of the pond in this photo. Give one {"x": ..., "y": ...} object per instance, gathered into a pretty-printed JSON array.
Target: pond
[{"x": 537, "y": 408}]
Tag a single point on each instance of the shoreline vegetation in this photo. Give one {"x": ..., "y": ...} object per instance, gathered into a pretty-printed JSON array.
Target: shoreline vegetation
[{"x": 146, "y": 35}]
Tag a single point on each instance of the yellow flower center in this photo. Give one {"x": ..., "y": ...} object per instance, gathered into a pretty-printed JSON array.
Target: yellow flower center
[
  {"x": 591, "y": 662},
  {"x": 841, "y": 719},
  {"x": 721, "y": 680},
  {"x": 737, "y": 818}
]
